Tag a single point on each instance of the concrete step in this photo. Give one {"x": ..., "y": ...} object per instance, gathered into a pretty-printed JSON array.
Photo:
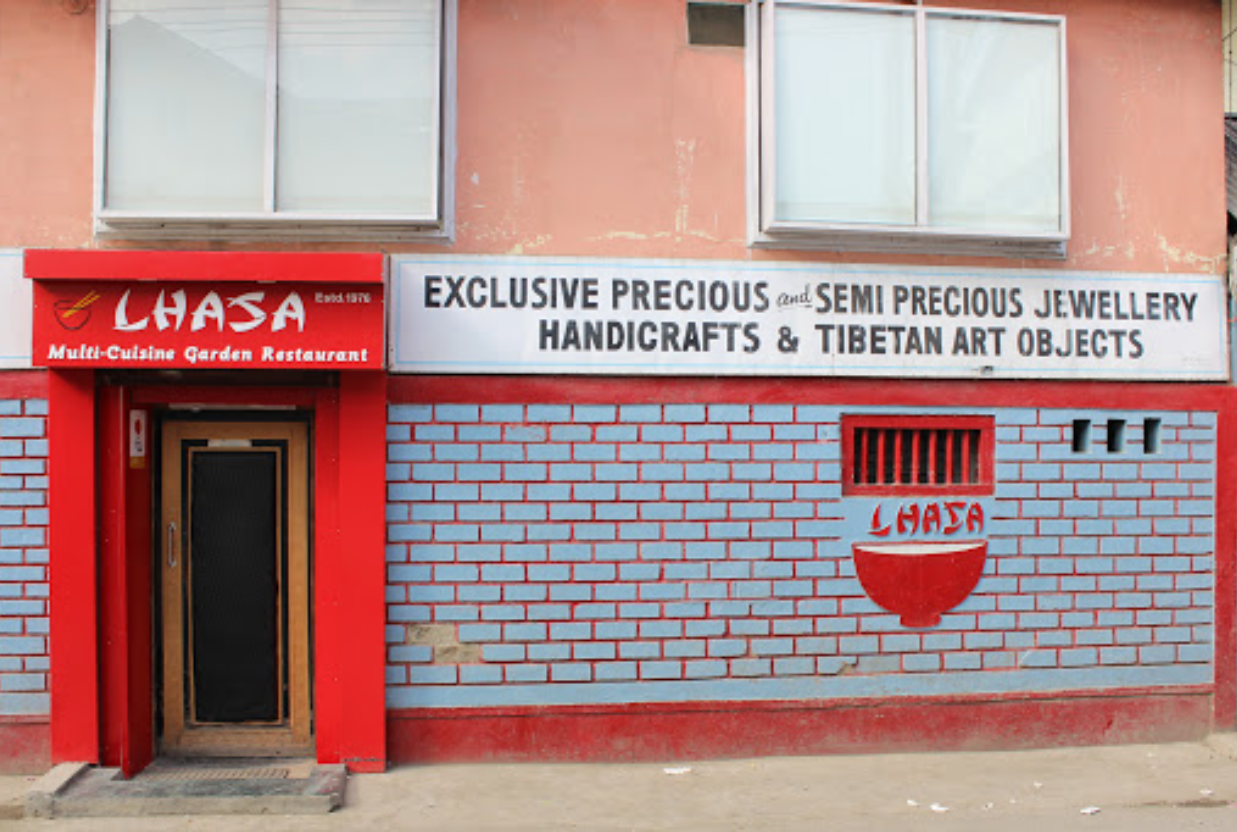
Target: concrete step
[{"x": 190, "y": 787}]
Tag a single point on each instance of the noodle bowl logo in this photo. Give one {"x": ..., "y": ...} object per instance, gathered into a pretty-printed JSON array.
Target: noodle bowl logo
[{"x": 73, "y": 315}]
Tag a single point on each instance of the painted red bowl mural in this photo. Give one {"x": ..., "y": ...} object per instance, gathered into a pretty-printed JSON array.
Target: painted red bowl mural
[{"x": 919, "y": 581}]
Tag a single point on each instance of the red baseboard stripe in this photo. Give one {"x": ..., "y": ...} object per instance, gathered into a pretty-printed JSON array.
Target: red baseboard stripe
[
  {"x": 632, "y": 733},
  {"x": 25, "y": 745}
]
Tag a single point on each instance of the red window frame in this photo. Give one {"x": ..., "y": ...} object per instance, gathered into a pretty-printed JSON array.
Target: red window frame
[{"x": 857, "y": 430}]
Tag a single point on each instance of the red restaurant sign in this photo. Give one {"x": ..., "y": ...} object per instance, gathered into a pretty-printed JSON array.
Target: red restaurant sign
[{"x": 199, "y": 323}]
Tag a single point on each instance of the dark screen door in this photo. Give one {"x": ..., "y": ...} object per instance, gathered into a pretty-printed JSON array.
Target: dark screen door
[{"x": 234, "y": 578}]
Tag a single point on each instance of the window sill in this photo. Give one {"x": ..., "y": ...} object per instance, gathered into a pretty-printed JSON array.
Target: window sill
[
  {"x": 1041, "y": 247},
  {"x": 267, "y": 229}
]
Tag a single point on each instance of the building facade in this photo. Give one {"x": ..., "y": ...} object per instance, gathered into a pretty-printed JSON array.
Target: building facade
[{"x": 424, "y": 380}]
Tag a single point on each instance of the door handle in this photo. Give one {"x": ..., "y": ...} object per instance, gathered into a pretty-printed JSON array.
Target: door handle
[{"x": 171, "y": 545}]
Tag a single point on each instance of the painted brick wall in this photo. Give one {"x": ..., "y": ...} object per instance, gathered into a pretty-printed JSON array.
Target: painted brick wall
[
  {"x": 23, "y": 557},
  {"x": 1107, "y": 556},
  {"x": 548, "y": 554}
]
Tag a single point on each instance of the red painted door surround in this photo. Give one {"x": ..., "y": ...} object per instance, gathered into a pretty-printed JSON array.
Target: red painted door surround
[{"x": 102, "y": 674}]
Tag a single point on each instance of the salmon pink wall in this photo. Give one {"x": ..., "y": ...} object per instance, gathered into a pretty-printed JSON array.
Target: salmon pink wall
[
  {"x": 591, "y": 127},
  {"x": 46, "y": 122}
]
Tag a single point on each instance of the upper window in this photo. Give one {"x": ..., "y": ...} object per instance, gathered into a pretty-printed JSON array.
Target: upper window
[
  {"x": 887, "y": 127},
  {"x": 243, "y": 114}
]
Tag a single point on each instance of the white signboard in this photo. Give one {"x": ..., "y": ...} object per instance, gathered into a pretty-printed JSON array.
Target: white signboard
[
  {"x": 565, "y": 315},
  {"x": 15, "y": 312}
]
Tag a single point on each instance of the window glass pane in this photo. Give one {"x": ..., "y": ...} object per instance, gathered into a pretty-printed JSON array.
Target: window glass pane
[
  {"x": 358, "y": 106},
  {"x": 844, "y": 104},
  {"x": 186, "y": 105},
  {"x": 993, "y": 125}
]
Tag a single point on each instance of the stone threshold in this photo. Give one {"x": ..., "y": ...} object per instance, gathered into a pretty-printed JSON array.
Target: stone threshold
[{"x": 189, "y": 787}]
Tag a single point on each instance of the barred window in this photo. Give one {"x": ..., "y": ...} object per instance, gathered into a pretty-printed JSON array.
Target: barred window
[{"x": 917, "y": 455}]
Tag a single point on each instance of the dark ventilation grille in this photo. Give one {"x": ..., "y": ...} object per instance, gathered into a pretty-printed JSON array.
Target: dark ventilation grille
[
  {"x": 1080, "y": 439},
  {"x": 1116, "y": 436},
  {"x": 715, "y": 24},
  {"x": 909, "y": 455},
  {"x": 1151, "y": 436}
]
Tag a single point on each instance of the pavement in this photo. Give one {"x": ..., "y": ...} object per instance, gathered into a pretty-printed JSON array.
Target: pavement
[{"x": 1129, "y": 788}]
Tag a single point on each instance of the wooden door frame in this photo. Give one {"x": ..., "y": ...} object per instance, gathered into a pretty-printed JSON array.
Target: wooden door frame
[{"x": 295, "y": 735}]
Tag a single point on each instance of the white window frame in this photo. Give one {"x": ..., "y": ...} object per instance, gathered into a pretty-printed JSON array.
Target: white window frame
[
  {"x": 280, "y": 225},
  {"x": 921, "y": 238}
]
